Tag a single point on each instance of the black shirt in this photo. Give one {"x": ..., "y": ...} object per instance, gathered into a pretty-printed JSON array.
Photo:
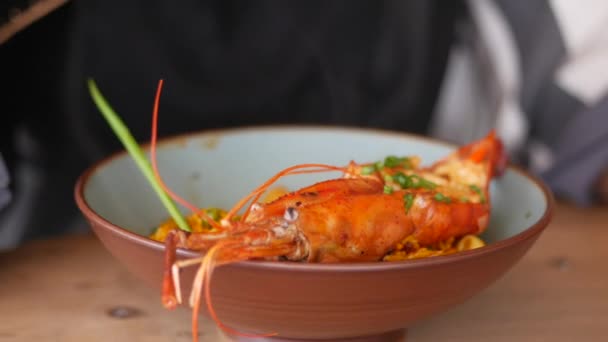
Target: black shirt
[{"x": 225, "y": 63}]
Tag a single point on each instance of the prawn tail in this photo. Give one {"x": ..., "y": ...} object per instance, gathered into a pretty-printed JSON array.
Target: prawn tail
[
  {"x": 485, "y": 159},
  {"x": 490, "y": 150}
]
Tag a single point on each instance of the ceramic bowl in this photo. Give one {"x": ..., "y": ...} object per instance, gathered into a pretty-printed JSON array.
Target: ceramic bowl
[{"x": 301, "y": 301}]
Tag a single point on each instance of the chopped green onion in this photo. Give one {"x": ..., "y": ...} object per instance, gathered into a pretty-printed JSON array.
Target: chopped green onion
[
  {"x": 393, "y": 161},
  {"x": 404, "y": 181},
  {"x": 409, "y": 201},
  {"x": 214, "y": 213},
  {"x": 388, "y": 178},
  {"x": 464, "y": 199},
  {"x": 368, "y": 169},
  {"x": 476, "y": 189},
  {"x": 388, "y": 189},
  {"x": 413, "y": 181},
  {"x": 423, "y": 183},
  {"x": 442, "y": 198},
  {"x": 379, "y": 165},
  {"x": 121, "y": 130}
]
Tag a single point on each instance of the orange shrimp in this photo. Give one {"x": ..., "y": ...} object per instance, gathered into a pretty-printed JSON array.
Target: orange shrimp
[{"x": 360, "y": 217}]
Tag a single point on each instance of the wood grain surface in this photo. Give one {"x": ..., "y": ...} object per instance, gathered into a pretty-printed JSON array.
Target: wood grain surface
[{"x": 71, "y": 289}]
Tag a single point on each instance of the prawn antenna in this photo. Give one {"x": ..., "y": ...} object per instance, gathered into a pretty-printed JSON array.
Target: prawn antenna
[
  {"x": 292, "y": 170},
  {"x": 202, "y": 283},
  {"x": 154, "y": 162}
]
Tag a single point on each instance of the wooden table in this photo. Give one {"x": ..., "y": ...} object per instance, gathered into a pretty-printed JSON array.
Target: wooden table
[{"x": 71, "y": 289}]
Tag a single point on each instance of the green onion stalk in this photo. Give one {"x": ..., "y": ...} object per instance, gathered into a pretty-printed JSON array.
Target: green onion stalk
[{"x": 122, "y": 132}]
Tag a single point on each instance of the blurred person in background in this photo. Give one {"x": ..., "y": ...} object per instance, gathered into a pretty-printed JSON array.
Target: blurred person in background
[{"x": 534, "y": 70}]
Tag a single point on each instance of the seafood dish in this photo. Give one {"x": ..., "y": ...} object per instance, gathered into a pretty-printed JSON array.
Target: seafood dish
[{"x": 390, "y": 210}]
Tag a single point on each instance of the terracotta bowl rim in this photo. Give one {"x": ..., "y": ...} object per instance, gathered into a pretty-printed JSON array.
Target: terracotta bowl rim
[{"x": 531, "y": 232}]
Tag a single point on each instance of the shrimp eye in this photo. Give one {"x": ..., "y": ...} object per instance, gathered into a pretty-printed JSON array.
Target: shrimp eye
[{"x": 291, "y": 214}]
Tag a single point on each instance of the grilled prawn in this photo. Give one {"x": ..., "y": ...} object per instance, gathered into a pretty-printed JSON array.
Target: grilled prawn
[{"x": 360, "y": 217}]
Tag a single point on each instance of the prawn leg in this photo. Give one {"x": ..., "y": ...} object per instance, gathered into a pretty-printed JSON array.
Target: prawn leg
[
  {"x": 171, "y": 293},
  {"x": 255, "y": 244},
  {"x": 168, "y": 292}
]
